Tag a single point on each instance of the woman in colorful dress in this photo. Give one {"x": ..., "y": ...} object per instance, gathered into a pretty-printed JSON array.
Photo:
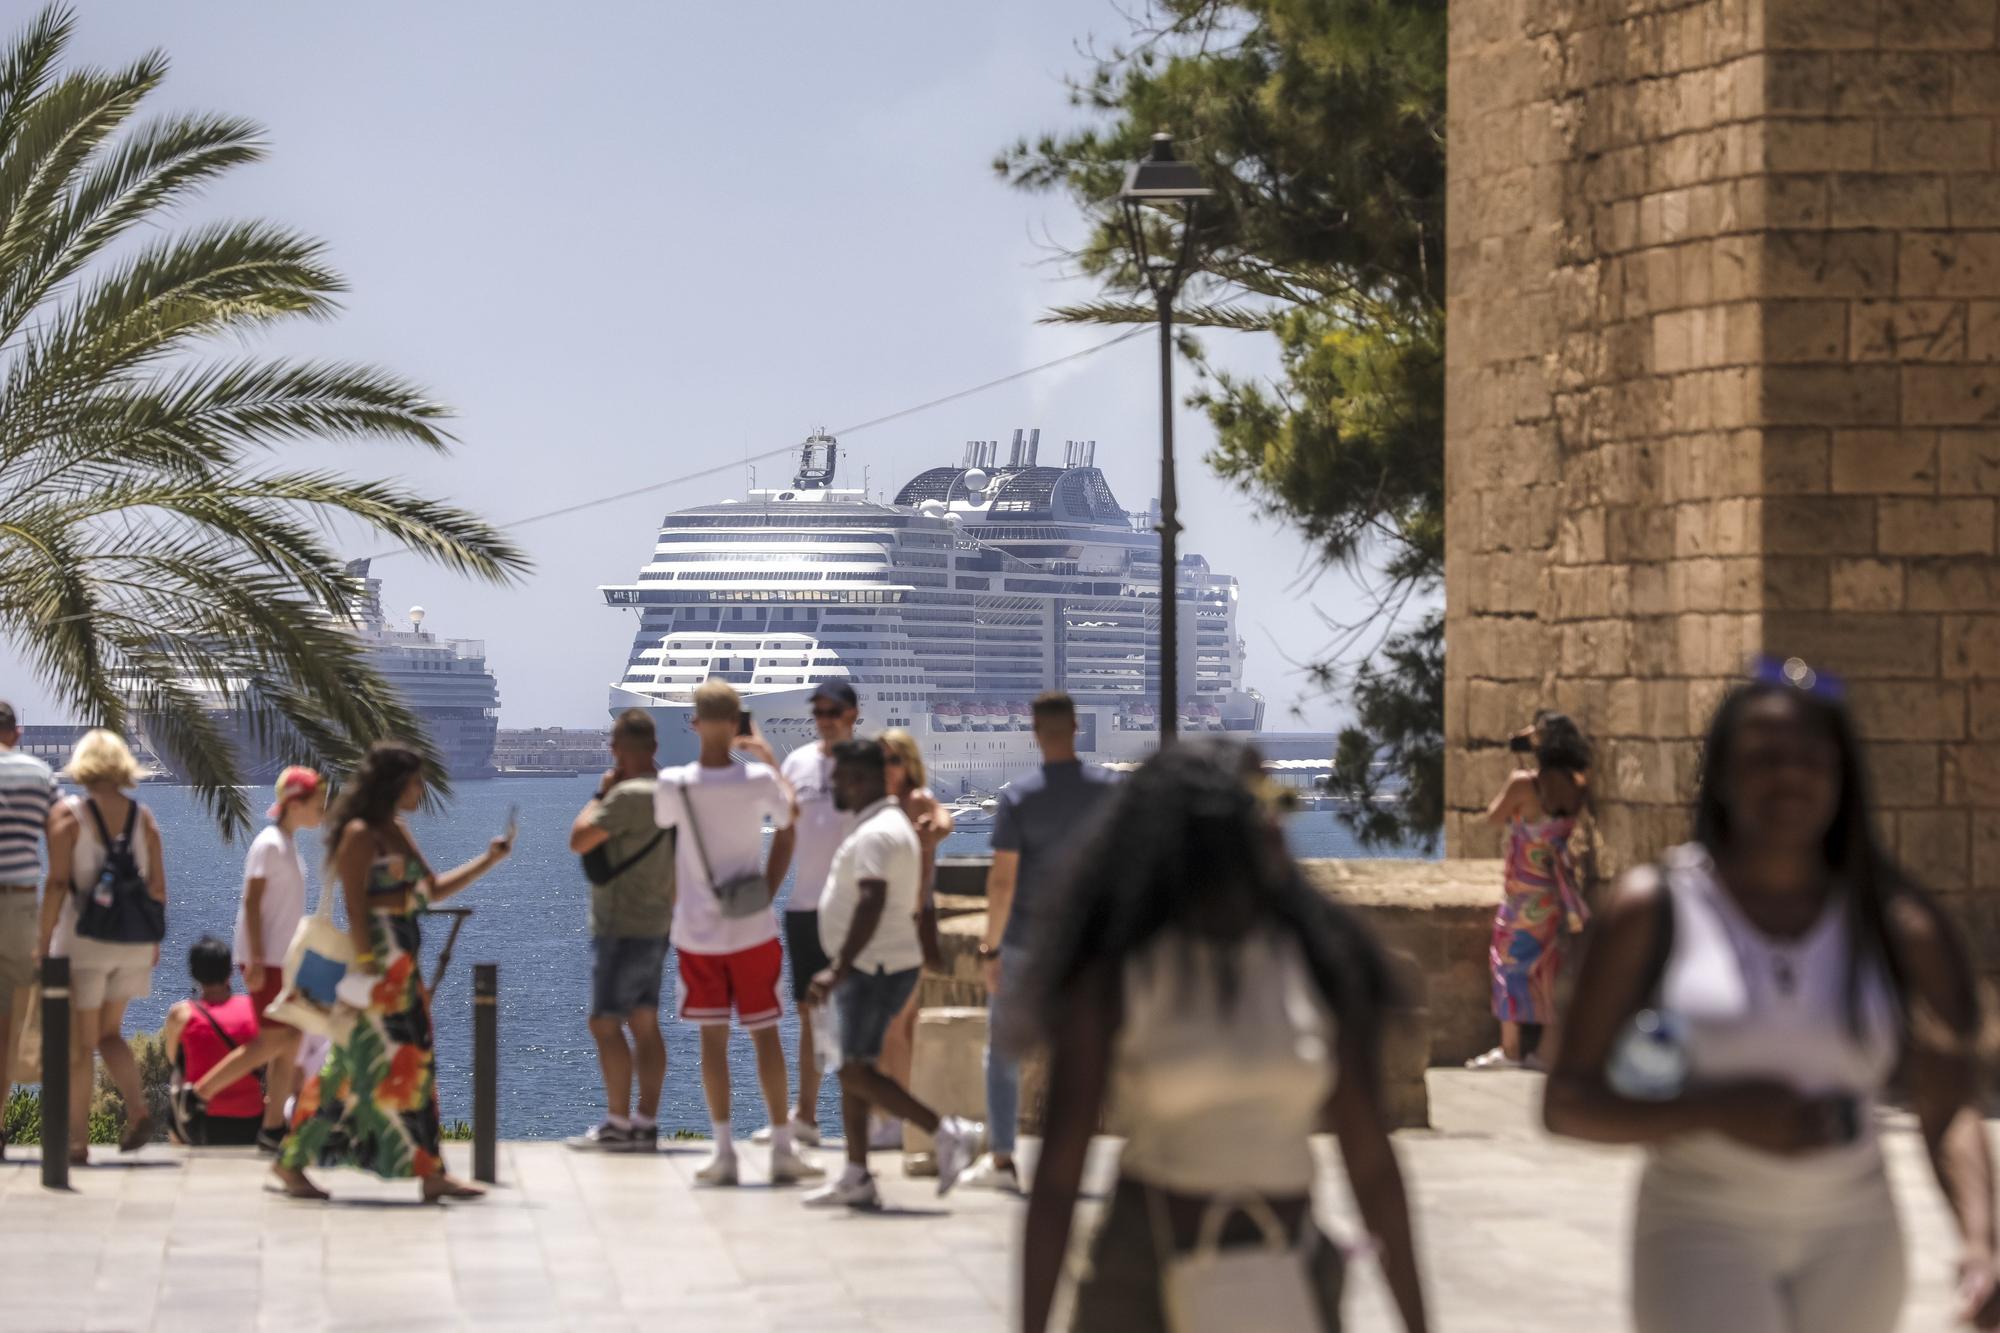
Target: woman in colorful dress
[
  {"x": 1539, "y": 808},
  {"x": 374, "y": 1102}
]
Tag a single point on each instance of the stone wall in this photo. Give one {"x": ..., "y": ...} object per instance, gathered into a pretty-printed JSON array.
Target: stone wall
[{"x": 1725, "y": 379}]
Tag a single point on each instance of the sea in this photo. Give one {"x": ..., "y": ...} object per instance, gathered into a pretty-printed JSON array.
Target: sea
[{"x": 528, "y": 917}]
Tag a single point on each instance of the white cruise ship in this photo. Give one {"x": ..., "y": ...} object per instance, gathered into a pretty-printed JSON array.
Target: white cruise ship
[
  {"x": 948, "y": 611},
  {"x": 445, "y": 682}
]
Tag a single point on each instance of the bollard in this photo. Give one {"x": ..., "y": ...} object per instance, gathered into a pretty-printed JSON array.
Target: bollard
[
  {"x": 485, "y": 1072},
  {"x": 55, "y": 1073}
]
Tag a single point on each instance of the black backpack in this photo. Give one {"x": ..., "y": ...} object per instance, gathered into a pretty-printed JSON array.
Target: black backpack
[{"x": 118, "y": 907}]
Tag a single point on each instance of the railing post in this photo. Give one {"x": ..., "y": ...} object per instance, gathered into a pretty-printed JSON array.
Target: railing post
[
  {"x": 485, "y": 1072},
  {"x": 55, "y": 1073}
]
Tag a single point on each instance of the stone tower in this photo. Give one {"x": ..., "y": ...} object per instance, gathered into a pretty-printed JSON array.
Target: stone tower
[{"x": 1725, "y": 379}]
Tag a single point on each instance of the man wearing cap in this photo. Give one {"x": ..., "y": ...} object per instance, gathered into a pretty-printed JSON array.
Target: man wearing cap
[
  {"x": 27, "y": 790},
  {"x": 274, "y": 901},
  {"x": 818, "y": 828}
]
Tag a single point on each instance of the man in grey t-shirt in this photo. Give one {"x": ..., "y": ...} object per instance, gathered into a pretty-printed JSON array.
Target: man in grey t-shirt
[
  {"x": 631, "y": 914},
  {"x": 27, "y": 790}
]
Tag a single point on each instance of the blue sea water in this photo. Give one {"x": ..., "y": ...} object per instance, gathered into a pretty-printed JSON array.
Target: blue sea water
[{"x": 529, "y": 917}]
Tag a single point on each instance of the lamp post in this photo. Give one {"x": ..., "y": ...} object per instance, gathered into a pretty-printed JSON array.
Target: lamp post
[{"x": 1165, "y": 183}]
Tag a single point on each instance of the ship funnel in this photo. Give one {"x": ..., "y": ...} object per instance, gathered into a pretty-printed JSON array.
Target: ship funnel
[
  {"x": 1034, "y": 445},
  {"x": 1014, "y": 449}
]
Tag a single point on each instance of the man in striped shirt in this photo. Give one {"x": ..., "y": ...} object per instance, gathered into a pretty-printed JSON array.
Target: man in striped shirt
[{"x": 27, "y": 790}]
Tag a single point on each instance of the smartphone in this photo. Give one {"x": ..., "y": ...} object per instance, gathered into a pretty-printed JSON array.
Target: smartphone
[
  {"x": 744, "y": 725},
  {"x": 513, "y": 822}
]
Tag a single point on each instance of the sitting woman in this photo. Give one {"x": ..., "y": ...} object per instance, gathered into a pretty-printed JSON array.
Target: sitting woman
[{"x": 198, "y": 1035}]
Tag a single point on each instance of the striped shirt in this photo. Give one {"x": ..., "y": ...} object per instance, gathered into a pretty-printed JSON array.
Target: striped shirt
[{"x": 27, "y": 789}]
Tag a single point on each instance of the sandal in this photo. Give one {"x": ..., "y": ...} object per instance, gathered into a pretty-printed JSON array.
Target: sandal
[
  {"x": 1496, "y": 1058},
  {"x": 138, "y": 1134},
  {"x": 441, "y": 1186},
  {"x": 295, "y": 1184}
]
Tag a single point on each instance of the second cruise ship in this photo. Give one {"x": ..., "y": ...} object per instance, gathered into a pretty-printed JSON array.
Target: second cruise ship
[{"x": 981, "y": 586}]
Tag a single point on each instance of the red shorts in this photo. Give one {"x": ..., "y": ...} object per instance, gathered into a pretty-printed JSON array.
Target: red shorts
[
  {"x": 274, "y": 981},
  {"x": 713, "y": 983}
]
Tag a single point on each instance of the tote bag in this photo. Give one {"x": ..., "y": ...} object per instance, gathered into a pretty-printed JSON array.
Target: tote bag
[
  {"x": 1211, "y": 1289},
  {"x": 314, "y": 964}
]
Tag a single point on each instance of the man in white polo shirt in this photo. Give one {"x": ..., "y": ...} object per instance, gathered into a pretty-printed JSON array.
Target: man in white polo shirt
[{"x": 868, "y": 926}]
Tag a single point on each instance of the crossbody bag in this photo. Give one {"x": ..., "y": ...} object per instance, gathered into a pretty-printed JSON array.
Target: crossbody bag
[{"x": 743, "y": 894}]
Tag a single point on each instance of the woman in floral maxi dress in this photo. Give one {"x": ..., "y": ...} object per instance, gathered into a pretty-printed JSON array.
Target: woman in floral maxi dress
[
  {"x": 1539, "y": 808},
  {"x": 374, "y": 1103}
]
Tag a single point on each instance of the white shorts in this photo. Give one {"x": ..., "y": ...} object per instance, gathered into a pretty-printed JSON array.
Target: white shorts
[{"x": 100, "y": 973}]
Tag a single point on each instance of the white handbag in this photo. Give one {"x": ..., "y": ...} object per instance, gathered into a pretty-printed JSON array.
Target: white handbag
[
  {"x": 315, "y": 963},
  {"x": 1210, "y": 1289}
]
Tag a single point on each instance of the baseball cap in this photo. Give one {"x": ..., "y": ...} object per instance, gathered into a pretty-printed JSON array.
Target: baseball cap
[
  {"x": 836, "y": 691},
  {"x": 294, "y": 784}
]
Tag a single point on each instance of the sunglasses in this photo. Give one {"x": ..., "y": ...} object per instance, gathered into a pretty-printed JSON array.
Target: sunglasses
[
  {"x": 894, "y": 759},
  {"x": 829, "y": 712},
  {"x": 1793, "y": 673}
]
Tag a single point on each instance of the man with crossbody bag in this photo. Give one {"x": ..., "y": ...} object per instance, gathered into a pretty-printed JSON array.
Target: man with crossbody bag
[
  {"x": 200, "y": 1034},
  {"x": 629, "y": 861},
  {"x": 725, "y": 933}
]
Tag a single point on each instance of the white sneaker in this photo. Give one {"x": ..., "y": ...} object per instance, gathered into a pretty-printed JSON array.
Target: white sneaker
[
  {"x": 987, "y": 1174},
  {"x": 789, "y": 1168},
  {"x": 845, "y": 1193},
  {"x": 956, "y": 1138},
  {"x": 720, "y": 1170},
  {"x": 1493, "y": 1059},
  {"x": 803, "y": 1134},
  {"x": 885, "y": 1134}
]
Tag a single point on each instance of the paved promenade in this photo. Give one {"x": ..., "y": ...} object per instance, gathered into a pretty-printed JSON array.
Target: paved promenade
[{"x": 1520, "y": 1234}]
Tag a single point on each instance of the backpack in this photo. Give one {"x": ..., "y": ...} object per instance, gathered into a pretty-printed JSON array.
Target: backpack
[{"x": 118, "y": 907}]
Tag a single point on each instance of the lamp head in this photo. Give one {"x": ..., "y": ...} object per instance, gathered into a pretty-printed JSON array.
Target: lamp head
[{"x": 1162, "y": 178}]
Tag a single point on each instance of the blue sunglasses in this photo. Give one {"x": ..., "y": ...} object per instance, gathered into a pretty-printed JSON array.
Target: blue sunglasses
[{"x": 1793, "y": 673}]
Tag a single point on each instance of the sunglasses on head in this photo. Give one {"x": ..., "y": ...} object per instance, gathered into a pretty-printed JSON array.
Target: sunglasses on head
[{"x": 1793, "y": 673}]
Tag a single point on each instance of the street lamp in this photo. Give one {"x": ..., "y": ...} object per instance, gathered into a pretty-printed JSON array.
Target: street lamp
[{"x": 1162, "y": 181}]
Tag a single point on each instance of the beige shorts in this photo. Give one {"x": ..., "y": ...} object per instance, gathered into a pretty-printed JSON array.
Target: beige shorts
[
  {"x": 19, "y": 921},
  {"x": 100, "y": 973}
]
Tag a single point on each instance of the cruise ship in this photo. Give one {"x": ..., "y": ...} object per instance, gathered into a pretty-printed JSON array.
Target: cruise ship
[
  {"x": 948, "y": 610},
  {"x": 445, "y": 682}
]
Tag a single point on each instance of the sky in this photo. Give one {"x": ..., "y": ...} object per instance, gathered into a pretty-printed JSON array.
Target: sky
[{"x": 627, "y": 241}]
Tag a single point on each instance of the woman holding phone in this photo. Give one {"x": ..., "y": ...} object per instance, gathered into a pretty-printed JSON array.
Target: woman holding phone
[
  {"x": 1740, "y": 1012},
  {"x": 374, "y": 1103}
]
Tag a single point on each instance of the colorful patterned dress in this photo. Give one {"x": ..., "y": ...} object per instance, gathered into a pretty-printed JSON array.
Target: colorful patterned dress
[
  {"x": 374, "y": 1102},
  {"x": 1527, "y": 931}
]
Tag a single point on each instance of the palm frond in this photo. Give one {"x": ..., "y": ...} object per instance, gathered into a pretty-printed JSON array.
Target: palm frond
[
  {"x": 28, "y": 61},
  {"x": 1138, "y": 312}
]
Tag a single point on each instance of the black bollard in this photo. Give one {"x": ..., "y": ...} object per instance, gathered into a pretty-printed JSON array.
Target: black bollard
[
  {"x": 485, "y": 1072},
  {"x": 55, "y": 1073}
]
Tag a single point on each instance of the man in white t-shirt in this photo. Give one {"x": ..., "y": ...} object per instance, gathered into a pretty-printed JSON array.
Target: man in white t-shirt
[
  {"x": 728, "y": 948},
  {"x": 868, "y": 926},
  {"x": 274, "y": 901},
  {"x": 818, "y": 826}
]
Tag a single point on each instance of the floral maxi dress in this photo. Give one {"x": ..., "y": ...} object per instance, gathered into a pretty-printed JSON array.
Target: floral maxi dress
[
  {"x": 374, "y": 1102},
  {"x": 1527, "y": 931}
]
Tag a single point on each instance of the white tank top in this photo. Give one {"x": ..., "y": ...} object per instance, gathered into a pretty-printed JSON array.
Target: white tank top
[
  {"x": 1758, "y": 1007},
  {"x": 1215, "y": 1096}
]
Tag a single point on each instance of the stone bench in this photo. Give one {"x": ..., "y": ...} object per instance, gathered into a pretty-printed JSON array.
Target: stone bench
[{"x": 1434, "y": 918}]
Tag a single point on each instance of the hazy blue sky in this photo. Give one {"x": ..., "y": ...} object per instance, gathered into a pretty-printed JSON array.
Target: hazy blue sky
[{"x": 628, "y": 240}]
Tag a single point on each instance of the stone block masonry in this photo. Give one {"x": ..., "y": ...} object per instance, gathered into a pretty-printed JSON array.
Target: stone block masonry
[{"x": 1724, "y": 379}]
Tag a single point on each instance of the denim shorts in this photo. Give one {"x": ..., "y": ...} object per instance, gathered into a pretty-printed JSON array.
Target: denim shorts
[
  {"x": 625, "y": 974},
  {"x": 867, "y": 1003}
]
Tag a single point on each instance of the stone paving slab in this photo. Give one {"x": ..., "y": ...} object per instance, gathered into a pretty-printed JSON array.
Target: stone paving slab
[{"x": 1518, "y": 1232}]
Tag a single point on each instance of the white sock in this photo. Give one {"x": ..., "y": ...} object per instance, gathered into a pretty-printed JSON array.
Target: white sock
[
  {"x": 619, "y": 1121},
  {"x": 854, "y": 1174},
  {"x": 725, "y": 1137},
  {"x": 781, "y": 1139},
  {"x": 645, "y": 1122}
]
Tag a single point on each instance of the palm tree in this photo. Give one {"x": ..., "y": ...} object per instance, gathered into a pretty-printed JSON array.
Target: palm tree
[{"x": 152, "y": 555}]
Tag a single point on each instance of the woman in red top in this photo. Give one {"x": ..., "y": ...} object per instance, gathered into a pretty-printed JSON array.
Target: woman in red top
[{"x": 199, "y": 1033}]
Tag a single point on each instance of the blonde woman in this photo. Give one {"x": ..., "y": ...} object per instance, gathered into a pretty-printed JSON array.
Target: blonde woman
[
  {"x": 104, "y": 855},
  {"x": 933, "y": 824}
]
